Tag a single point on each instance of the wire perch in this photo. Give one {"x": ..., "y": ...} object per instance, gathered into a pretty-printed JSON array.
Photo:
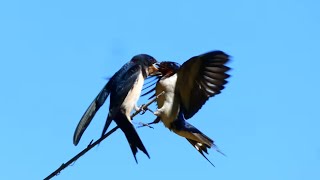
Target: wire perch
[{"x": 93, "y": 144}]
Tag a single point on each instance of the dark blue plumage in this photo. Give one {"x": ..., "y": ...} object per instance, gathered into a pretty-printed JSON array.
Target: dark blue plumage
[{"x": 124, "y": 88}]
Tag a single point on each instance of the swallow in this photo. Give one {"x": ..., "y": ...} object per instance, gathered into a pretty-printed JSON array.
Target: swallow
[
  {"x": 124, "y": 88},
  {"x": 187, "y": 88}
]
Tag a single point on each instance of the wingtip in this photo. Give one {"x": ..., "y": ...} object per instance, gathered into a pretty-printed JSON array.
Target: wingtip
[
  {"x": 75, "y": 143},
  {"x": 76, "y": 138}
]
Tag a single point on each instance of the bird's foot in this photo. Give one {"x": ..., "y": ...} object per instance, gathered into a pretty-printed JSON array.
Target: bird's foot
[
  {"x": 143, "y": 108},
  {"x": 137, "y": 108},
  {"x": 158, "y": 112},
  {"x": 157, "y": 120},
  {"x": 145, "y": 124}
]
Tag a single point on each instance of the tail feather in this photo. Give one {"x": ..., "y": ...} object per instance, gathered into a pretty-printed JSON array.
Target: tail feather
[
  {"x": 200, "y": 148},
  {"x": 185, "y": 129},
  {"x": 107, "y": 124},
  {"x": 131, "y": 135},
  {"x": 196, "y": 138}
]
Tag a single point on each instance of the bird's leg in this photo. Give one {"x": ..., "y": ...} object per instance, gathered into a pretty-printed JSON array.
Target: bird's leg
[
  {"x": 143, "y": 108},
  {"x": 144, "y": 124},
  {"x": 140, "y": 109},
  {"x": 158, "y": 112},
  {"x": 157, "y": 120},
  {"x": 136, "y": 107}
]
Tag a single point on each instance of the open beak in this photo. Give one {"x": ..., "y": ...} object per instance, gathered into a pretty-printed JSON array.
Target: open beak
[{"x": 154, "y": 70}]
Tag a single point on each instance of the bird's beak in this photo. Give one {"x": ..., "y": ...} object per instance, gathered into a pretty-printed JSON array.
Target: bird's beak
[{"x": 154, "y": 70}]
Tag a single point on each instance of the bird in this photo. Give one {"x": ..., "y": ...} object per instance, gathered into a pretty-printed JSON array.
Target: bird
[
  {"x": 186, "y": 89},
  {"x": 124, "y": 88}
]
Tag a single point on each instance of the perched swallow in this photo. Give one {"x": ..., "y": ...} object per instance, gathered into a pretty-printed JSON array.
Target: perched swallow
[
  {"x": 187, "y": 88},
  {"x": 124, "y": 88}
]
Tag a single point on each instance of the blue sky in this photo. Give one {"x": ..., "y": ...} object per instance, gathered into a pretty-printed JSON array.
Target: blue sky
[{"x": 55, "y": 56}]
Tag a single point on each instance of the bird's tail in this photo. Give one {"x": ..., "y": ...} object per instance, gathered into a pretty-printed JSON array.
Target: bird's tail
[
  {"x": 131, "y": 135},
  {"x": 196, "y": 138},
  {"x": 200, "y": 148},
  {"x": 107, "y": 124}
]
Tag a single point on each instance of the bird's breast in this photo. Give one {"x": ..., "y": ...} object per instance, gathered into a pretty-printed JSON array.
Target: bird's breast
[
  {"x": 168, "y": 104},
  {"x": 133, "y": 95}
]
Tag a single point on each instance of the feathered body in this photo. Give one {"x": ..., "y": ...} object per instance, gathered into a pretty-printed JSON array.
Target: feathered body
[
  {"x": 124, "y": 88},
  {"x": 187, "y": 88}
]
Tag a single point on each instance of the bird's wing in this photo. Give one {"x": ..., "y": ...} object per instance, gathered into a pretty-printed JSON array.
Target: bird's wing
[
  {"x": 199, "y": 78},
  {"x": 124, "y": 83},
  {"x": 90, "y": 112}
]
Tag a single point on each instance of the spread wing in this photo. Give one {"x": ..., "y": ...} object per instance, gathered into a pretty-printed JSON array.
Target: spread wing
[{"x": 200, "y": 78}]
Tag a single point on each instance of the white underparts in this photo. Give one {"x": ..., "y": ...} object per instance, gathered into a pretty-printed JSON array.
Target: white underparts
[
  {"x": 133, "y": 95},
  {"x": 168, "y": 104}
]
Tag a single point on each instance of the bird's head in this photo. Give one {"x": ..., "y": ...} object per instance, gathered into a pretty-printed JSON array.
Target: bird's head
[
  {"x": 147, "y": 62},
  {"x": 168, "y": 68}
]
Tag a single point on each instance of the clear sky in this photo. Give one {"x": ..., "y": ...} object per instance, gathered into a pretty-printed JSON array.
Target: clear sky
[{"x": 55, "y": 57}]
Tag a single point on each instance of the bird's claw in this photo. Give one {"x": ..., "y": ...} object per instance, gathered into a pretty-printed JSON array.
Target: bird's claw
[
  {"x": 90, "y": 143},
  {"x": 143, "y": 108},
  {"x": 145, "y": 124}
]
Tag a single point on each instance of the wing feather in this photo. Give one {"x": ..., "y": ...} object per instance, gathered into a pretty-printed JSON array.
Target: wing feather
[
  {"x": 200, "y": 78},
  {"x": 125, "y": 82},
  {"x": 119, "y": 91},
  {"x": 90, "y": 112},
  {"x": 118, "y": 86}
]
